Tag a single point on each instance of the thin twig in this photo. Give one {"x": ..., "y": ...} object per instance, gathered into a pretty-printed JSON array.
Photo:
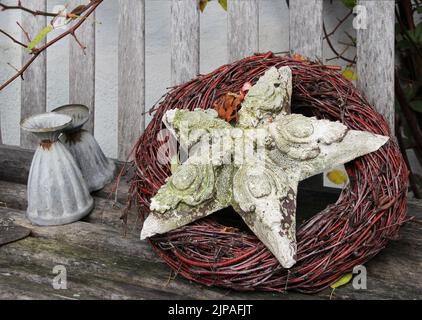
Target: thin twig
[
  {"x": 79, "y": 43},
  {"x": 19, "y": 6},
  {"x": 339, "y": 55},
  {"x": 26, "y": 34},
  {"x": 340, "y": 22},
  {"x": 13, "y": 39},
  {"x": 71, "y": 31}
]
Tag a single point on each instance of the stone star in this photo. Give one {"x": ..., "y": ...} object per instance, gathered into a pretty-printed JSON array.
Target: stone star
[{"x": 255, "y": 167}]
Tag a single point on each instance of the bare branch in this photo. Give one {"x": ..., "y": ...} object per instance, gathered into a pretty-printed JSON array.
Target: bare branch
[
  {"x": 13, "y": 39},
  {"x": 19, "y": 6},
  {"x": 87, "y": 11},
  {"x": 24, "y": 32},
  {"x": 339, "y": 55}
]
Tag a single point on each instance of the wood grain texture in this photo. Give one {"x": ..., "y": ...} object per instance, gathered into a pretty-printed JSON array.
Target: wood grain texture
[
  {"x": 131, "y": 65},
  {"x": 34, "y": 87},
  {"x": 1, "y": 139},
  {"x": 115, "y": 264},
  {"x": 82, "y": 65},
  {"x": 375, "y": 51},
  {"x": 243, "y": 29},
  {"x": 121, "y": 266},
  {"x": 15, "y": 163},
  {"x": 185, "y": 35},
  {"x": 306, "y": 31},
  {"x": 125, "y": 267}
]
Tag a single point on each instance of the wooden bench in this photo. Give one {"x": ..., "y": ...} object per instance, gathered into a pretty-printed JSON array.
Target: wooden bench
[
  {"x": 104, "y": 263},
  {"x": 101, "y": 261}
]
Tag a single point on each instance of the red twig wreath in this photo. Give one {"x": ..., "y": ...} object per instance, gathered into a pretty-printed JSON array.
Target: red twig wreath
[{"x": 367, "y": 215}]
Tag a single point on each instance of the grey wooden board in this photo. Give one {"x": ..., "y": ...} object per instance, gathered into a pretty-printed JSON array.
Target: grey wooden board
[
  {"x": 82, "y": 65},
  {"x": 243, "y": 29},
  {"x": 105, "y": 263},
  {"x": 131, "y": 75},
  {"x": 184, "y": 40},
  {"x": 34, "y": 87},
  {"x": 126, "y": 268},
  {"x": 15, "y": 163},
  {"x": 306, "y": 28},
  {"x": 107, "y": 210},
  {"x": 375, "y": 51}
]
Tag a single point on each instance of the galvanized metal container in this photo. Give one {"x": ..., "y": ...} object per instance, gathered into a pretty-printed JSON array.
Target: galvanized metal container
[
  {"x": 57, "y": 192},
  {"x": 96, "y": 168}
]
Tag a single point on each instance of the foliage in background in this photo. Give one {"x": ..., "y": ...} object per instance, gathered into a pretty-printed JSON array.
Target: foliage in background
[
  {"x": 203, "y": 4},
  {"x": 409, "y": 82}
]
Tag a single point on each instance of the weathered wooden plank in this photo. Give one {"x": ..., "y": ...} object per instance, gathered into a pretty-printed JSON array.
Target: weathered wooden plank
[
  {"x": 399, "y": 261},
  {"x": 15, "y": 163},
  {"x": 106, "y": 267},
  {"x": 106, "y": 211},
  {"x": 415, "y": 208},
  {"x": 392, "y": 274},
  {"x": 375, "y": 51},
  {"x": 34, "y": 88},
  {"x": 1, "y": 139},
  {"x": 306, "y": 31},
  {"x": 82, "y": 65},
  {"x": 243, "y": 29},
  {"x": 184, "y": 40},
  {"x": 131, "y": 65},
  {"x": 90, "y": 273},
  {"x": 96, "y": 236}
]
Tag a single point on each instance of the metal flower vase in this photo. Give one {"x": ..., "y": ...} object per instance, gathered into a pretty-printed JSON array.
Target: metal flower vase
[
  {"x": 96, "y": 168},
  {"x": 57, "y": 192}
]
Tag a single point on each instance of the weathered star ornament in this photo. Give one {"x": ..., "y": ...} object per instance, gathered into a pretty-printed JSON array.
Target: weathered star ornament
[{"x": 254, "y": 167}]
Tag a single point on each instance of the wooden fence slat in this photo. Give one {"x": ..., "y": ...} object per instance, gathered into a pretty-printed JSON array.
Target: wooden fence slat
[
  {"x": 306, "y": 31},
  {"x": 375, "y": 51},
  {"x": 1, "y": 139},
  {"x": 34, "y": 88},
  {"x": 131, "y": 70},
  {"x": 82, "y": 66},
  {"x": 243, "y": 29},
  {"x": 185, "y": 27}
]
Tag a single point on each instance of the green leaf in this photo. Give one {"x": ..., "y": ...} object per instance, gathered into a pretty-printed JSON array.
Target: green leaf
[
  {"x": 416, "y": 34},
  {"x": 342, "y": 281},
  {"x": 350, "y": 3},
  {"x": 203, "y": 5},
  {"x": 411, "y": 89},
  {"x": 416, "y": 105},
  {"x": 349, "y": 74},
  {"x": 39, "y": 37},
  {"x": 223, "y": 3}
]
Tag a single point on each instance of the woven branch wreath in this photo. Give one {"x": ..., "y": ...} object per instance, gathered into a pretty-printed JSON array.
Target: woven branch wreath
[{"x": 368, "y": 213}]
